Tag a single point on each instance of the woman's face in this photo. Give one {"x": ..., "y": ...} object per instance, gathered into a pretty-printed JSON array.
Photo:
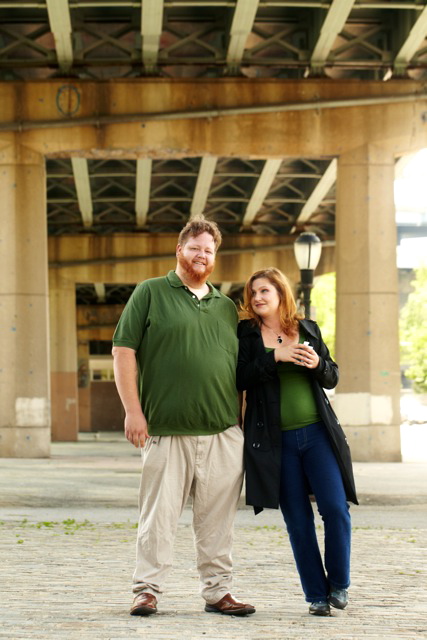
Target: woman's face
[{"x": 265, "y": 300}]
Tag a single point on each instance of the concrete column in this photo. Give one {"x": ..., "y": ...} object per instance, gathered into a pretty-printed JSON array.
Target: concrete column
[
  {"x": 83, "y": 374},
  {"x": 368, "y": 395},
  {"x": 24, "y": 364},
  {"x": 63, "y": 358}
]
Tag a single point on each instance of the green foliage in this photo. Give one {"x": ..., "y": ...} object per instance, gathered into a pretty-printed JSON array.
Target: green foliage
[
  {"x": 413, "y": 331},
  {"x": 323, "y": 305}
]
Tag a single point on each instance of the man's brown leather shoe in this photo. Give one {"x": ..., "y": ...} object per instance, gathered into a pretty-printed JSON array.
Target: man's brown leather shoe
[
  {"x": 144, "y": 604},
  {"x": 229, "y": 607}
]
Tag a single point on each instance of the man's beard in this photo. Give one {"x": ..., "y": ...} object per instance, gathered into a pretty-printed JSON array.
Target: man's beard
[{"x": 194, "y": 275}]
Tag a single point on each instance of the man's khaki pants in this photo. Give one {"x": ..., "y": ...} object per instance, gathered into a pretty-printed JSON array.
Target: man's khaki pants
[{"x": 210, "y": 470}]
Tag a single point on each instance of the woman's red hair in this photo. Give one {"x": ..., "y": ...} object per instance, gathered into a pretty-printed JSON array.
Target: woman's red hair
[{"x": 289, "y": 316}]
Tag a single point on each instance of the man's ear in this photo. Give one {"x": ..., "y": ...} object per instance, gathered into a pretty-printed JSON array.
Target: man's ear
[{"x": 178, "y": 250}]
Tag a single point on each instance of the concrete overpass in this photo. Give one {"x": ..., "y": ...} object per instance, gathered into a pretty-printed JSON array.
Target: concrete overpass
[{"x": 286, "y": 142}]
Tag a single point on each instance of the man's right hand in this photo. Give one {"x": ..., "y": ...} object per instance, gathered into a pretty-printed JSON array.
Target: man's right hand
[{"x": 136, "y": 429}]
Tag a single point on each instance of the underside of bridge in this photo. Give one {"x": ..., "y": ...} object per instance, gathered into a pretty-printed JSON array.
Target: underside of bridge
[{"x": 119, "y": 120}]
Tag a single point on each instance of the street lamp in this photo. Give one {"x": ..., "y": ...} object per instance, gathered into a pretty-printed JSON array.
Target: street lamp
[{"x": 307, "y": 248}]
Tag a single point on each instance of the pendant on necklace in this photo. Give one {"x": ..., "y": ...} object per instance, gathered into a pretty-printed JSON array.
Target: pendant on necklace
[{"x": 279, "y": 340}]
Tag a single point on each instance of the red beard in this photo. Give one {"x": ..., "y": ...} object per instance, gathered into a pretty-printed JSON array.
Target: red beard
[{"x": 193, "y": 275}]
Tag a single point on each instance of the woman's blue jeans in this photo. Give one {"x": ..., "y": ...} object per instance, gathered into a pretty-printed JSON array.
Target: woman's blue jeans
[{"x": 308, "y": 462}]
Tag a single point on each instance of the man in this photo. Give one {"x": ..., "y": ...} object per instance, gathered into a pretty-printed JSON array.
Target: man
[{"x": 175, "y": 352}]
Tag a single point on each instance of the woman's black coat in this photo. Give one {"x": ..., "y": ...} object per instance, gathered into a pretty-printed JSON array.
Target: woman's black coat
[{"x": 257, "y": 375}]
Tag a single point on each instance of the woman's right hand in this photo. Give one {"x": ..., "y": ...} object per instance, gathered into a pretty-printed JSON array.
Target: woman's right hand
[
  {"x": 286, "y": 353},
  {"x": 300, "y": 354}
]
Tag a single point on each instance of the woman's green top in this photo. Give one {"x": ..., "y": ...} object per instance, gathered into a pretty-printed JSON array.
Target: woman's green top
[{"x": 297, "y": 404}]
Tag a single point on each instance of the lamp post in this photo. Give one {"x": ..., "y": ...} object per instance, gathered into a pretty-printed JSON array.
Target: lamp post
[{"x": 307, "y": 248}]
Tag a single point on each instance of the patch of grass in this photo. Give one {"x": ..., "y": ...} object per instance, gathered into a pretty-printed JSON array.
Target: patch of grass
[
  {"x": 70, "y": 526},
  {"x": 69, "y": 522},
  {"x": 48, "y": 525},
  {"x": 267, "y": 527}
]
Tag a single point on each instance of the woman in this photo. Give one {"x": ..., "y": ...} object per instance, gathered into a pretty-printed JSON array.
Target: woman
[{"x": 294, "y": 444}]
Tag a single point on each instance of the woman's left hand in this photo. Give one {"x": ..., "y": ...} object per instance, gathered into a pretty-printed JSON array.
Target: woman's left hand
[{"x": 307, "y": 356}]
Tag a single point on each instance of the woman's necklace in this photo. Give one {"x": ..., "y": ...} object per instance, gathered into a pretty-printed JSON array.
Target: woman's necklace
[{"x": 278, "y": 336}]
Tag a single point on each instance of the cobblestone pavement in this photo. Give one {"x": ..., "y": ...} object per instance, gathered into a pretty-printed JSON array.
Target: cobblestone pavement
[
  {"x": 71, "y": 580},
  {"x": 66, "y": 559}
]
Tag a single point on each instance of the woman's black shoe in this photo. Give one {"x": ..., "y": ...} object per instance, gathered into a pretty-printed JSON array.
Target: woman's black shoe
[
  {"x": 338, "y": 598},
  {"x": 320, "y": 608}
]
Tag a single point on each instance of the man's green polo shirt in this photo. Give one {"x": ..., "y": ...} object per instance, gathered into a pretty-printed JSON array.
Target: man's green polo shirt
[{"x": 186, "y": 351}]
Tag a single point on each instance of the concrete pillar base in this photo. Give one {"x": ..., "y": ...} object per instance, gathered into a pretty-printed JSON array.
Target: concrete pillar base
[
  {"x": 369, "y": 425},
  {"x": 374, "y": 443},
  {"x": 25, "y": 442}
]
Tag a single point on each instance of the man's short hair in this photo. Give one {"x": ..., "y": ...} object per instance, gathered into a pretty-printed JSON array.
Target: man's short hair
[{"x": 198, "y": 225}]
